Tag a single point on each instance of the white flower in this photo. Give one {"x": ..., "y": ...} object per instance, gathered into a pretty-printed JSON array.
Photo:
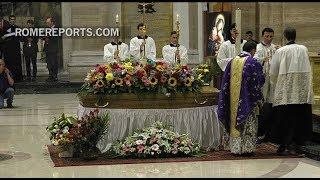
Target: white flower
[
  {"x": 144, "y": 136},
  {"x": 55, "y": 143},
  {"x": 54, "y": 130},
  {"x": 56, "y": 126},
  {"x": 139, "y": 142},
  {"x": 64, "y": 131},
  {"x": 88, "y": 77},
  {"x": 155, "y": 147},
  {"x": 152, "y": 153},
  {"x": 153, "y": 130},
  {"x": 186, "y": 150}
]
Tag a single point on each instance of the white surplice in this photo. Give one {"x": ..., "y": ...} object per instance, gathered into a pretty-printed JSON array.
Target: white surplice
[
  {"x": 263, "y": 51},
  {"x": 135, "y": 48},
  {"x": 168, "y": 53},
  {"x": 291, "y": 76},
  {"x": 226, "y": 52},
  {"x": 110, "y": 48}
]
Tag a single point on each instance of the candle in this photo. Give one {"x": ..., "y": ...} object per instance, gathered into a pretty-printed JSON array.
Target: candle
[
  {"x": 177, "y": 17},
  {"x": 117, "y": 18},
  {"x": 238, "y": 27}
]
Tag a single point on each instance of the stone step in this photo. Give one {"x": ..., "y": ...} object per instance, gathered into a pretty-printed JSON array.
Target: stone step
[{"x": 42, "y": 87}]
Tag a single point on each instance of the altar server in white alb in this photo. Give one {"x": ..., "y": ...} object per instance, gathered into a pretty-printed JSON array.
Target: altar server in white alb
[
  {"x": 142, "y": 43},
  {"x": 174, "y": 52},
  {"x": 116, "y": 51},
  {"x": 264, "y": 53},
  {"x": 227, "y": 50},
  {"x": 291, "y": 79}
]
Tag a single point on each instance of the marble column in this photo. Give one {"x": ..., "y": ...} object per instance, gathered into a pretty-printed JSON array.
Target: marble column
[{"x": 66, "y": 42}]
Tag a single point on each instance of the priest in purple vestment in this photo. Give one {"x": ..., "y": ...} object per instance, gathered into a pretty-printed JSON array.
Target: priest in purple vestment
[{"x": 240, "y": 99}]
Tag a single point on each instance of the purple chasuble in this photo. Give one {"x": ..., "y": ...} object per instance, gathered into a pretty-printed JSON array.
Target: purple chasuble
[{"x": 250, "y": 92}]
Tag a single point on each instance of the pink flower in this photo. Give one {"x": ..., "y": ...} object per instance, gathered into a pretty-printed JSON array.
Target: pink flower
[
  {"x": 144, "y": 78},
  {"x": 140, "y": 148},
  {"x": 128, "y": 83},
  {"x": 174, "y": 150},
  {"x": 126, "y": 148},
  {"x": 153, "y": 139},
  {"x": 163, "y": 79},
  {"x": 95, "y": 112},
  {"x": 176, "y": 141}
]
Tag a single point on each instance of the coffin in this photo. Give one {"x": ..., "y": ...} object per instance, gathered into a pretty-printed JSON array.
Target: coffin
[{"x": 207, "y": 97}]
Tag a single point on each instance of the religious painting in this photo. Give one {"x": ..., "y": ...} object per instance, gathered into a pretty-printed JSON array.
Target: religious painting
[{"x": 217, "y": 29}]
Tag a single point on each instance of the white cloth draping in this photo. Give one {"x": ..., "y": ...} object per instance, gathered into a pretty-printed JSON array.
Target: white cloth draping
[{"x": 201, "y": 123}]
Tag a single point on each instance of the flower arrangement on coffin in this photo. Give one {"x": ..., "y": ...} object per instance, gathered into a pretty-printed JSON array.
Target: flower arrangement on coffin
[
  {"x": 81, "y": 135},
  {"x": 141, "y": 77},
  {"x": 155, "y": 141},
  {"x": 203, "y": 71}
]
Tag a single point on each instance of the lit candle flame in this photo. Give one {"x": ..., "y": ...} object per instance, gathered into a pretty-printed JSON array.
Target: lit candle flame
[
  {"x": 177, "y": 17},
  {"x": 117, "y": 18}
]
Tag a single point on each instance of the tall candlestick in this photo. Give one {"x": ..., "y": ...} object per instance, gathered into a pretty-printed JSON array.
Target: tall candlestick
[
  {"x": 238, "y": 27},
  {"x": 117, "y": 23},
  {"x": 178, "y": 34}
]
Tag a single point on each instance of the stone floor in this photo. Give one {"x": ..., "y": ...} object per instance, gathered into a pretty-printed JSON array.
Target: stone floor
[{"x": 23, "y": 138}]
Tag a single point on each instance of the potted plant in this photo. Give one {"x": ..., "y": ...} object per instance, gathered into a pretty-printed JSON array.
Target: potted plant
[
  {"x": 60, "y": 134},
  {"x": 87, "y": 133}
]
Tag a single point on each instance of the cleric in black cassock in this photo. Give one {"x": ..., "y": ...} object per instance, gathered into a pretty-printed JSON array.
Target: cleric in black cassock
[
  {"x": 11, "y": 49},
  {"x": 292, "y": 94},
  {"x": 4, "y": 25}
]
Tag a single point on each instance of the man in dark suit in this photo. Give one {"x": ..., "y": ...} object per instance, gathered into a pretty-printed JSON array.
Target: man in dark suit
[
  {"x": 12, "y": 51},
  {"x": 51, "y": 50},
  {"x": 249, "y": 37},
  {"x": 30, "y": 50},
  {"x": 4, "y": 25}
]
